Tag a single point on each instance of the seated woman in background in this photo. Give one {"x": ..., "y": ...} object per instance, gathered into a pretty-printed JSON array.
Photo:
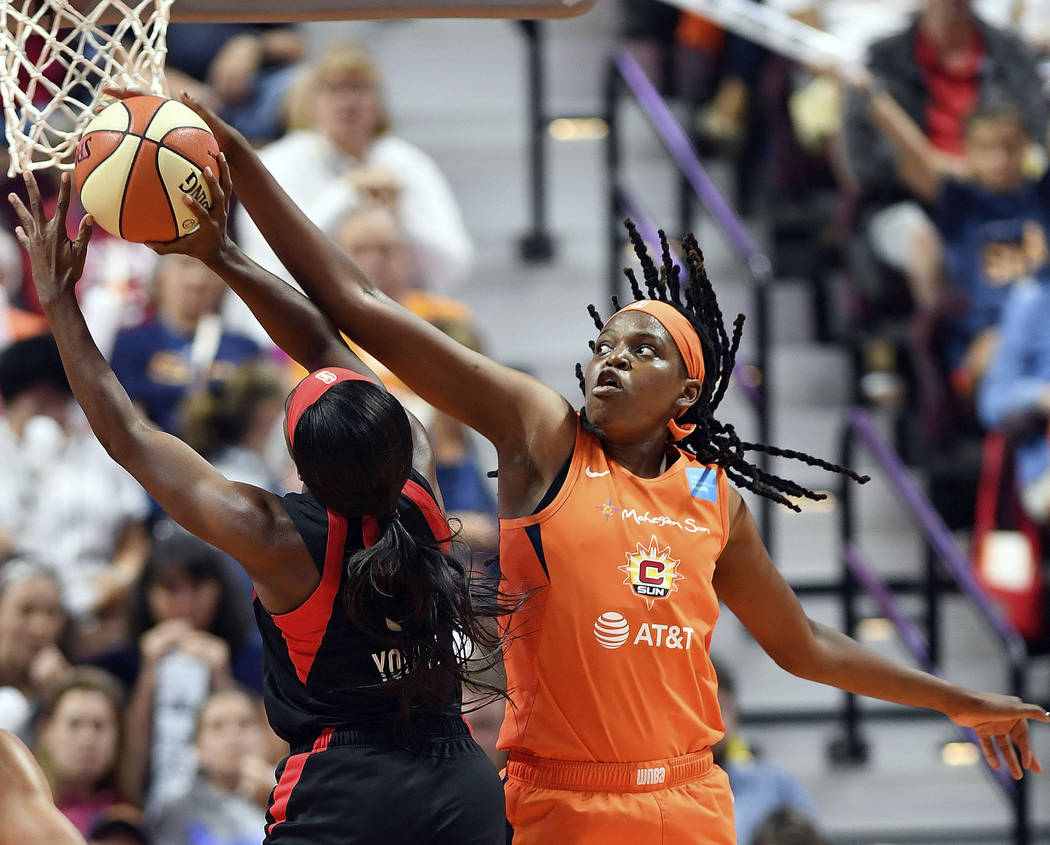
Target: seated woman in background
[
  {"x": 32, "y": 624},
  {"x": 79, "y": 744},
  {"x": 227, "y": 800},
  {"x": 342, "y": 153},
  {"x": 190, "y": 634}
]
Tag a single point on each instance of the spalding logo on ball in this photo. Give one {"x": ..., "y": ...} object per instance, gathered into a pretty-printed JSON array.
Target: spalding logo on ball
[{"x": 136, "y": 160}]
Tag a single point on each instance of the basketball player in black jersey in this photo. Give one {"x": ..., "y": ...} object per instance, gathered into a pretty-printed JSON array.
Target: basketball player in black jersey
[{"x": 357, "y": 598}]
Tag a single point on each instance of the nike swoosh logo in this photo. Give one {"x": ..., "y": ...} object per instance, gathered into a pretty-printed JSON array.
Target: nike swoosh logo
[{"x": 592, "y": 474}]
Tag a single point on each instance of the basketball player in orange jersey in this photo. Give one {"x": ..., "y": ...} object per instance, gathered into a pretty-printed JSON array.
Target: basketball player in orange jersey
[{"x": 622, "y": 519}]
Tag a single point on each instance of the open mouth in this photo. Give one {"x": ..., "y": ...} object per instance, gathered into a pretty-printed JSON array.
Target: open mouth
[{"x": 608, "y": 382}]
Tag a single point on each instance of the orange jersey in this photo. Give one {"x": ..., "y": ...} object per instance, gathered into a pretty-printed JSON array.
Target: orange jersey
[{"x": 609, "y": 659}]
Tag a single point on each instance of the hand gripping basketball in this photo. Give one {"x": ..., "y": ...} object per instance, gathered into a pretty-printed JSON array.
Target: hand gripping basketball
[{"x": 209, "y": 241}]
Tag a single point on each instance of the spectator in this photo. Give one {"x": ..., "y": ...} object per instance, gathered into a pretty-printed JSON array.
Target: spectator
[
  {"x": 993, "y": 223},
  {"x": 32, "y": 624},
  {"x": 32, "y": 384},
  {"x": 235, "y": 425},
  {"x": 241, "y": 70},
  {"x": 190, "y": 635},
  {"x": 938, "y": 69},
  {"x": 227, "y": 799},
  {"x": 120, "y": 824},
  {"x": 64, "y": 502},
  {"x": 374, "y": 238},
  {"x": 758, "y": 788},
  {"x": 184, "y": 348},
  {"x": 1017, "y": 385},
  {"x": 788, "y": 826},
  {"x": 15, "y": 323},
  {"x": 343, "y": 154},
  {"x": 79, "y": 742}
]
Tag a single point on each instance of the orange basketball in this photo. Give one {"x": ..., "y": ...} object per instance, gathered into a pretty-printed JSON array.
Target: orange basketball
[{"x": 135, "y": 161}]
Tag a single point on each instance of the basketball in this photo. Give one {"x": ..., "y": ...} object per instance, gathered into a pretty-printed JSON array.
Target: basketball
[{"x": 135, "y": 161}]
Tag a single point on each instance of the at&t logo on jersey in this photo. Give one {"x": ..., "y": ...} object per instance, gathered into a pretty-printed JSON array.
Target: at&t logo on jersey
[
  {"x": 612, "y": 630},
  {"x": 651, "y": 572}
]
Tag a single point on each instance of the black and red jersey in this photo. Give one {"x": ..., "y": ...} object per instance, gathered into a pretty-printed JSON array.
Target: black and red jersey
[{"x": 319, "y": 670}]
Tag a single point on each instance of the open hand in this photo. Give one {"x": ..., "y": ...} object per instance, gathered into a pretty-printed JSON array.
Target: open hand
[
  {"x": 57, "y": 261},
  {"x": 209, "y": 241},
  {"x": 1000, "y": 722}
]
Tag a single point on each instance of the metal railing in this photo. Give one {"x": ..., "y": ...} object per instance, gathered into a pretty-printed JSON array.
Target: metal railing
[
  {"x": 942, "y": 555},
  {"x": 626, "y": 76}
]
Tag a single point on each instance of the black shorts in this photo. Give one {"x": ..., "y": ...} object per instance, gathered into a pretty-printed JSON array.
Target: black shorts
[{"x": 355, "y": 787}]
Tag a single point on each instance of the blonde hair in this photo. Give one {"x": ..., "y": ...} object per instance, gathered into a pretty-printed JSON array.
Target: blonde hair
[{"x": 339, "y": 58}]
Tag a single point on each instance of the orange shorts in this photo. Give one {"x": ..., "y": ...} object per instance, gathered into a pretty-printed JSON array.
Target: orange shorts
[{"x": 681, "y": 801}]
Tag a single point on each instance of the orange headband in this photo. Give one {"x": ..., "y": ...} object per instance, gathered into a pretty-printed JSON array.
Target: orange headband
[
  {"x": 312, "y": 388},
  {"x": 685, "y": 338}
]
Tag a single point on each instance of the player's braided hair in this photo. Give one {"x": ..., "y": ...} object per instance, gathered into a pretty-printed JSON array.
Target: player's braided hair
[{"x": 713, "y": 442}]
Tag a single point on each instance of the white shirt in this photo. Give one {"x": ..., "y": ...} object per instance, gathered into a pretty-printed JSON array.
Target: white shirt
[
  {"x": 310, "y": 168},
  {"x": 73, "y": 503}
]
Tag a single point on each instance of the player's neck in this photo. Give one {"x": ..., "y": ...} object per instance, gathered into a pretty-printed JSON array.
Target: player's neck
[{"x": 645, "y": 459}]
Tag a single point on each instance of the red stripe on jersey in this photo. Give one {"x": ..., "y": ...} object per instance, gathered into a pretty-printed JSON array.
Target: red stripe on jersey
[
  {"x": 293, "y": 771},
  {"x": 426, "y": 504},
  {"x": 304, "y": 628}
]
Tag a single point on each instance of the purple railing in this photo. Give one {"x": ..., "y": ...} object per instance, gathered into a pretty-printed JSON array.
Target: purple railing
[
  {"x": 913, "y": 640},
  {"x": 936, "y": 533}
]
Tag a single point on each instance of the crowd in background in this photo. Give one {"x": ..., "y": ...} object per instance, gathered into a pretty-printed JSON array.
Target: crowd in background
[{"x": 915, "y": 190}]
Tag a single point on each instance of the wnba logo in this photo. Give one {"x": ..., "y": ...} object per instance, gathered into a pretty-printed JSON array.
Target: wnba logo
[{"x": 611, "y": 630}]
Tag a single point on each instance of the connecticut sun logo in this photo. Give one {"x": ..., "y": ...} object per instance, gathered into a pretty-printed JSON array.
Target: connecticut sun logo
[{"x": 651, "y": 572}]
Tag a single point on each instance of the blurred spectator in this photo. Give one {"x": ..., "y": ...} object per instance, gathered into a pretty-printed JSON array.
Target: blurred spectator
[
  {"x": 185, "y": 347},
  {"x": 938, "y": 70},
  {"x": 190, "y": 635},
  {"x": 15, "y": 322},
  {"x": 65, "y": 502},
  {"x": 788, "y": 826},
  {"x": 342, "y": 153},
  {"x": 373, "y": 236},
  {"x": 79, "y": 743},
  {"x": 993, "y": 222},
  {"x": 32, "y": 384},
  {"x": 235, "y": 425},
  {"x": 240, "y": 70},
  {"x": 32, "y": 625},
  {"x": 228, "y": 797},
  {"x": 120, "y": 824},
  {"x": 758, "y": 789},
  {"x": 1017, "y": 385}
]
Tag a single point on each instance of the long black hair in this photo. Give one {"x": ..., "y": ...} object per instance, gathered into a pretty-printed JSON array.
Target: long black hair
[
  {"x": 353, "y": 448},
  {"x": 712, "y": 442}
]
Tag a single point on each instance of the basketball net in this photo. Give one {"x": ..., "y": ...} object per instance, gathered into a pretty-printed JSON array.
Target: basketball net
[{"x": 55, "y": 62}]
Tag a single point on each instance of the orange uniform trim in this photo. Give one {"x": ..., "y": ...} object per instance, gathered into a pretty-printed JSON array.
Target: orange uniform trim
[{"x": 583, "y": 776}]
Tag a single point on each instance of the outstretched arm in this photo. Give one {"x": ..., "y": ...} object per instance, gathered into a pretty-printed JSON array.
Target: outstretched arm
[
  {"x": 293, "y": 322},
  {"x": 750, "y": 585},
  {"x": 919, "y": 165},
  {"x": 532, "y": 427},
  {"x": 242, "y": 520}
]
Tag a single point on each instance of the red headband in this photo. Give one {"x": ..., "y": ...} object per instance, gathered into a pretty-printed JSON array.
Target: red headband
[
  {"x": 312, "y": 388},
  {"x": 685, "y": 339}
]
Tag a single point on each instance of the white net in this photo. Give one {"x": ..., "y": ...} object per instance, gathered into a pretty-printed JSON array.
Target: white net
[{"x": 56, "y": 60}]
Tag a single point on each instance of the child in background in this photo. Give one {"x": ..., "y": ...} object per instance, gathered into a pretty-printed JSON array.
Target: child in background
[{"x": 993, "y": 222}]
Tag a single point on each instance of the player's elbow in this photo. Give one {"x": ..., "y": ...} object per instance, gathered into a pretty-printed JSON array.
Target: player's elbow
[{"x": 801, "y": 654}]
